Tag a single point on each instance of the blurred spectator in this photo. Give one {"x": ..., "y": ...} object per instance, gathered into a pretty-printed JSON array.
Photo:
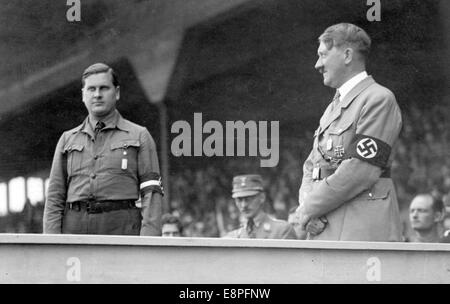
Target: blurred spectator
[
  {"x": 171, "y": 226},
  {"x": 425, "y": 214}
]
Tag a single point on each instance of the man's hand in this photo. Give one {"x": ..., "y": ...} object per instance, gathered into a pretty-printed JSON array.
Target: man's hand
[
  {"x": 301, "y": 218},
  {"x": 316, "y": 226}
]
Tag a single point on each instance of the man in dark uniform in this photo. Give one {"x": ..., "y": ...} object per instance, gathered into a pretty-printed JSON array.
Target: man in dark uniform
[
  {"x": 249, "y": 196},
  {"x": 101, "y": 167},
  {"x": 346, "y": 191}
]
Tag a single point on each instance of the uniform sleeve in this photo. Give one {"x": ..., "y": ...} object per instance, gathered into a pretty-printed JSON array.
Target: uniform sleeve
[
  {"x": 306, "y": 180},
  {"x": 289, "y": 233},
  {"x": 57, "y": 191},
  {"x": 150, "y": 186},
  {"x": 380, "y": 119}
]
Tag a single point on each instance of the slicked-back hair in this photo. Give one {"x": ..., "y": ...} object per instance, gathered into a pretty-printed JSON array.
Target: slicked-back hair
[
  {"x": 347, "y": 35},
  {"x": 99, "y": 68},
  {"x": 172, "y": 219}
]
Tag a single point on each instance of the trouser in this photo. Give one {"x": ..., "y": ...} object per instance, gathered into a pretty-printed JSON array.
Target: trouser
[{"x": 115, "y": 222}]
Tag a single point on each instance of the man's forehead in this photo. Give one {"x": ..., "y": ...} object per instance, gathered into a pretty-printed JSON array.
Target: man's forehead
[
  {"x": 322, "y": 49},
  {"x": 170, "y": 227},
  {"x": 99, "y": 78},
  {"x": 421, "y": 202}
]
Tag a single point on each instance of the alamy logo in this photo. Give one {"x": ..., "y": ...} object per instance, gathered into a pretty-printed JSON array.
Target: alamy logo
[
  {"x": 225, "y": 141},
  {"x": 367, "y": 148},
  {"x": 74, "y": 12},
  {"x": 373, "y": 273},
  {"x": 73, "y": 273}
]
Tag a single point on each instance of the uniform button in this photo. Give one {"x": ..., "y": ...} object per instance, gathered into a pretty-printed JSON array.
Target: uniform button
[{"x": 93, "y": 176}]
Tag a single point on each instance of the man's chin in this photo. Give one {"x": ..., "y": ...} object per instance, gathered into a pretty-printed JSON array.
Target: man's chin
[
  {"x": 327, "y": 82},
  {"x": 99, "y": 112}
]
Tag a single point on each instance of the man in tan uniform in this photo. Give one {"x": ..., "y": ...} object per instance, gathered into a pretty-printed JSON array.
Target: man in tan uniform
[
  {"x": 346, "y": 191},
  {"x": 102, "y": 167},
  {"x": 249, "y": 196}
]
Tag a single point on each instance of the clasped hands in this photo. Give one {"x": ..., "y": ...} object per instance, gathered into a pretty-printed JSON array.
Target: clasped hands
[{"x": 313, "y": 226}]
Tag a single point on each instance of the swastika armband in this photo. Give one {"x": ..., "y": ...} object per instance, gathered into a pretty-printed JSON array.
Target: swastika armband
[
  {"x": 152, "y": 183},
  {"x": 370, "y": 149}
]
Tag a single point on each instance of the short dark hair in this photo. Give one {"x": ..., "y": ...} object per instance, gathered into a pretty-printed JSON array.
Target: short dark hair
[
  {"x": 171, "y": 219},
  {"x": 347, "y": 34},
  {"x": 436, "y": 202},
  {"x": 98, "y": 68}
]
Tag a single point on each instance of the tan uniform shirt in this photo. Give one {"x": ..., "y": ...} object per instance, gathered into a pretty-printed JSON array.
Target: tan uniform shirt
[{"x": 112, "y": 167}]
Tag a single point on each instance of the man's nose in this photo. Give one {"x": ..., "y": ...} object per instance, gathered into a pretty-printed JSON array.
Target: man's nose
[
  {"x": 97, "y": 93},
  {"x": 318, "y": 64}
]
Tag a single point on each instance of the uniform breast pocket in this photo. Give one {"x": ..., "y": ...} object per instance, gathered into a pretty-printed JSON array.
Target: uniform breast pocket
[
  {"x": 123, "y": 156},
  {"x": 380, "y": 191},
  {"x": 341, "y": 133},
  {"x": 74, "y": 154}
]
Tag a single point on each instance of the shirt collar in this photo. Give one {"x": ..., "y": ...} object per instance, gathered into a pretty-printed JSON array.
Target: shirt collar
[
  {"x": 114, "y": 121},
  {"x": 259, "y": 218},
  {"x": 110, "y": 121},
  {"x": 350, "y": 84}
]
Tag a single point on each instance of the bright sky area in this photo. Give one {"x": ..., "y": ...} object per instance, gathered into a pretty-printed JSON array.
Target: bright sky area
[{"x": 17, "y": 193}]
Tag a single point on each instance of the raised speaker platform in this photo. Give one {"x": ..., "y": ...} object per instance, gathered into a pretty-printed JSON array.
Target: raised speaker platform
[{"x": 27, "y": 258}]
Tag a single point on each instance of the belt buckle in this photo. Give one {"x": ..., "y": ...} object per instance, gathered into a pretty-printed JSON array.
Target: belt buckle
[{"x": 91, "y": 207}]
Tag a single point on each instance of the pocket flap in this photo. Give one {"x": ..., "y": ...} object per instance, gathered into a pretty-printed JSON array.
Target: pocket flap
[
  {"x": 125, "y": 144},
  {"x": 379, "y": 191},
  {"x": 341, "y": 128},
  {"x": 73, "y": 147}
]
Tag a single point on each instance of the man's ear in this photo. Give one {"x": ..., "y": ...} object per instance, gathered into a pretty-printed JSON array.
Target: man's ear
[
  {"x": 348, "y": 55},
  {"x": 117, "y": 93},
  {"x": 263, "y": 196},
  {"x": 439, "y": 216}
]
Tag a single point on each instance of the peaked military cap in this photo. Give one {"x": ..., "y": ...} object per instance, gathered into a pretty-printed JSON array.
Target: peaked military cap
[{"x": 247, "y": 185}]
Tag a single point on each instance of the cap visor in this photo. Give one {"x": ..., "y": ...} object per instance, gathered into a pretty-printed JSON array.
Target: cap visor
[{"x": 245, "y": 193}]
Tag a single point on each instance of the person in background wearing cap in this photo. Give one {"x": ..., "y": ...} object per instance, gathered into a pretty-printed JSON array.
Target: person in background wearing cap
[
  {"x": 249, "y": 196},
  {"x": 346, "y": 192},
  {"x": 101, "y": 167}
]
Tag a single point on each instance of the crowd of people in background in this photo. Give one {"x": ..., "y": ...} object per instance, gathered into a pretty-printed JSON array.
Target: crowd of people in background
[{"x": 200, "y": 196}]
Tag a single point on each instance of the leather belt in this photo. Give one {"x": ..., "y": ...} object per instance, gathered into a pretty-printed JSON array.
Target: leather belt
[
  {"x": 320, "y": 173},
  {"x": 101, "y": 206}
]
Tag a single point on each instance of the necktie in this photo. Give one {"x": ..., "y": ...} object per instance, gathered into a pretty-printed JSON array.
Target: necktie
[
  {"x": 250, "y": 226},
  {"x": 100, "y": 125}
]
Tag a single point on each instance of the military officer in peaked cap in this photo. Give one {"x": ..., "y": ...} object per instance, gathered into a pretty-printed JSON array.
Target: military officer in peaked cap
[{"x": 248, "y": 193}]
